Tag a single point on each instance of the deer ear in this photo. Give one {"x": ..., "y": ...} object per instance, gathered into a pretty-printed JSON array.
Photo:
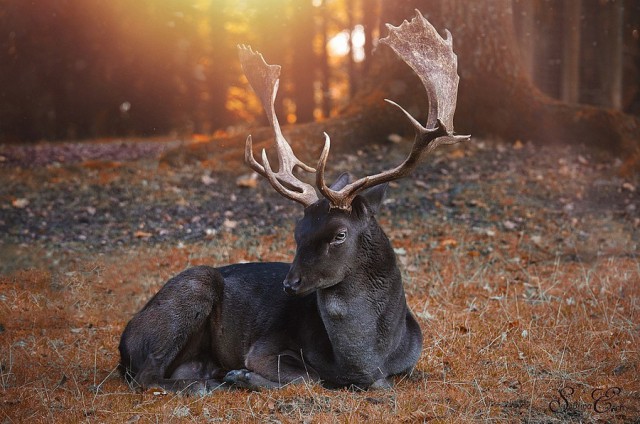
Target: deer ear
[
  {"x": 371, "y": 199},
  {"x": 341, "y": 181}
]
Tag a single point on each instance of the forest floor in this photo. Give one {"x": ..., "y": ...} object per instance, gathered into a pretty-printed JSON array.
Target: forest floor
[{"x": 520, "y": 262}]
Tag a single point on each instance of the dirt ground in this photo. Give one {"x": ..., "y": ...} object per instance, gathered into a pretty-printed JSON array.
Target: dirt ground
[{"x": 520, "y": 263}]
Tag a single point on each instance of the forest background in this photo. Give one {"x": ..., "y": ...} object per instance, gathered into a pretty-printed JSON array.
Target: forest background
[{"x": 74, "y": 70}]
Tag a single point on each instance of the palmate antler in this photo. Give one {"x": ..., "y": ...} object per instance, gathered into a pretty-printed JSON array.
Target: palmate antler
[
  {"x": 431, "y": 57},
  {"x": 264, "y": 80}
]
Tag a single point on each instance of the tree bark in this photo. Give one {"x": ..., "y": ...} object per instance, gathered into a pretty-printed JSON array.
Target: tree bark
[
  {"x": 496, "y": 95},
  {"x": 571, "y": 52},
  {"x": 325, "y": 69},
  {"x": 304, "y": 61}
]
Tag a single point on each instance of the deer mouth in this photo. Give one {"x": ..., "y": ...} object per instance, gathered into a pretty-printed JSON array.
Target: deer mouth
[
  {"x": 292, "y": 286},
  {"x": 297, "y": 287}
]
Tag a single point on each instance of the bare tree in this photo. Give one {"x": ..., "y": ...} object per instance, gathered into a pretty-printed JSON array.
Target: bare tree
[{"x": 304, "y": 60}]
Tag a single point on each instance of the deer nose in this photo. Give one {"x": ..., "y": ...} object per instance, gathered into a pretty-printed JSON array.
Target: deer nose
[{"x": 291, "y": 285}]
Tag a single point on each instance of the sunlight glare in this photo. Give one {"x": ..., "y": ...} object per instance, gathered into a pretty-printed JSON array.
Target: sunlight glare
[
  {"x": 339, "y": 44},
  {"x": 357, "y": 39}
]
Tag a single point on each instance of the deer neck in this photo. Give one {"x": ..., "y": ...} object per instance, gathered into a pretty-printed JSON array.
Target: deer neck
[{"x": 362, "y": 313}]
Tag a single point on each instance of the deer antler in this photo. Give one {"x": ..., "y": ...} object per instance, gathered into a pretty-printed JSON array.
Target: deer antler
[
  {"x": 431, "y": 57},
  {"x": 264, "y": 79}
]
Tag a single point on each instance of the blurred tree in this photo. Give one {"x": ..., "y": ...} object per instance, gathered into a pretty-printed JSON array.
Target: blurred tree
[
  {"x": 351, "y": 63},
  {"x": 497, "y": 96},
  {"x": 78, "y": 69},
  {"x": 325, "y": 70},
  {"x": 269, "y": 23},
  {"x": 370, "y": 17},
  {"x": 304, "y": 60}
]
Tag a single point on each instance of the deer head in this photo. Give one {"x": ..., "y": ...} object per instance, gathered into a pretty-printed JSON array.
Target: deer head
[{"x": 332, "y": 223}]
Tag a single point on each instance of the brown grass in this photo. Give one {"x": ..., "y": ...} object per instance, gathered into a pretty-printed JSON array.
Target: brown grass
[{"x": 503, "y": 333}]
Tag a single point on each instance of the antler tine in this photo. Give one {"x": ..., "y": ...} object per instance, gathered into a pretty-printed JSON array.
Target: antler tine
[
  {"x": 431, "y": 57},
  {"x": 264, "y": 79}
]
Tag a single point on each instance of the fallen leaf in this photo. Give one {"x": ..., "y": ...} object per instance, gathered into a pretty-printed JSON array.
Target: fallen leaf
[
  {"x": 230, "y": 224},
  {"x": 456, "y": 154},
  {"x": 101, "y": 164},
  {"x": 247, "y": 181},
  {"x": 20, "y": 203},
  {"x": 448, "y": 243},
  {"x": 509, "y": 225},
  {"x": 207, "y": 180},
  {"x": 200, "y": 138},
  {"x": 394, "y": 138},
  {"x": 477, "y": 203},
  {"x": 629, "y": 187}
]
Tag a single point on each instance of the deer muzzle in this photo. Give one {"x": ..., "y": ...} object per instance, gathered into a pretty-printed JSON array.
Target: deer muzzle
[{"x": 291, "y": 284}]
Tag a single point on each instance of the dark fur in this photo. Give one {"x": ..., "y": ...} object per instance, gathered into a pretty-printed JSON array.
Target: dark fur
[{"x": 343, "y": 321}]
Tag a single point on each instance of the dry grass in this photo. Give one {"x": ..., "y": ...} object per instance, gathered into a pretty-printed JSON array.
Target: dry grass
[
  {"x": 503, "y": 333},
  {"x": 530, "y": 312}
]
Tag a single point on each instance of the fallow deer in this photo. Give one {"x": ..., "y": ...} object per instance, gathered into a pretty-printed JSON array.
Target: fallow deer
[{"x": 336, "y": 314}]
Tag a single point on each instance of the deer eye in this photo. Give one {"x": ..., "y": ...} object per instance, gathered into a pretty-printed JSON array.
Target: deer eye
[{"x": 339, "y": 238}]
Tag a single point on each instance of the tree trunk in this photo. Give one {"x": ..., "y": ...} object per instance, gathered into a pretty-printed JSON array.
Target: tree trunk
[
  {"x": 496, "y": 96},
  {"x": 369, "y": 16},
  {"x": 571, "y": 52},
  {"x": 612, "y": 42},
  {"x": 325, "y": 69},
  {"x": 304, "y": 61}
]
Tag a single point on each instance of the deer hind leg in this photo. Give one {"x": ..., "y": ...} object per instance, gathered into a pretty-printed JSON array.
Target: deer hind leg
[
  {"x": 266, "y": 369},
  {"x": 168, "y": 344}
]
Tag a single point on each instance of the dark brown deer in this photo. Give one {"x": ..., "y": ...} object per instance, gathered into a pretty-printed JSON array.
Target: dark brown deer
[{"x": 342, "y": 317}]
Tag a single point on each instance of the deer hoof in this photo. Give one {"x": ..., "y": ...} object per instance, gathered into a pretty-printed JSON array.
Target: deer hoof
[
  {"x": 381, "y": 384},
  {"x": 239, "y": 378}
]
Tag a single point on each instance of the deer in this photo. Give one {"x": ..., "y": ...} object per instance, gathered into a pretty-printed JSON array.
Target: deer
[{"x": 337, "y": 314}]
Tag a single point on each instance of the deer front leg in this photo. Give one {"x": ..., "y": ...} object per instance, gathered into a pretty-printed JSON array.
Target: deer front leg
[
  {"x": 197, "y": 377},
  {"x": 269, "y": 369}
]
